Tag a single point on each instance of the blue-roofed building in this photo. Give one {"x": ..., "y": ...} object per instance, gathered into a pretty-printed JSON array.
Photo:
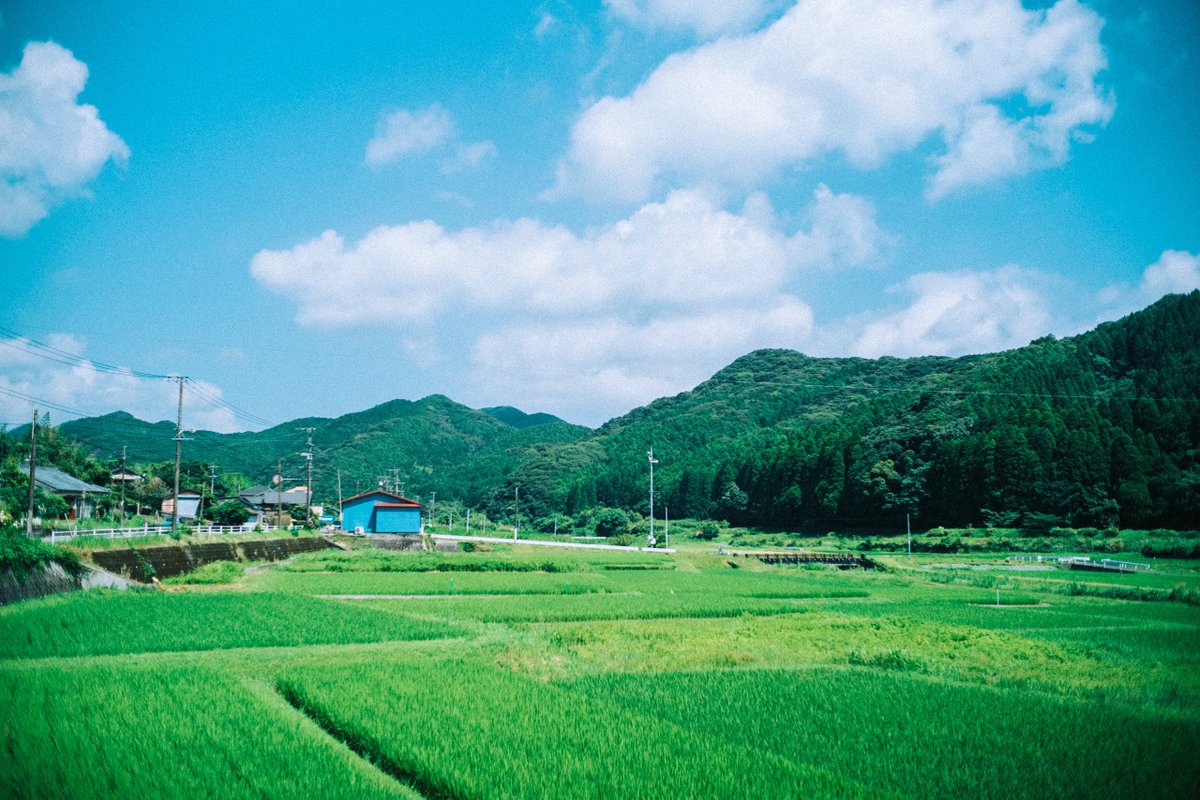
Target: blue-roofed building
[{"x": 378, "y": 511}]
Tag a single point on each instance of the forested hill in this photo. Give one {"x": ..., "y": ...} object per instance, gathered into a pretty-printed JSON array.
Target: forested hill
[
  {"x": 432, "y": 444},
  {"x": 1092, "y": 430},
  {"x": 1098, "y": 429}
]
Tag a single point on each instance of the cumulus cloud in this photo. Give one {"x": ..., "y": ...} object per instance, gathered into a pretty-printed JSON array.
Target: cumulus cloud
[
  {"x": 411, "y": 133},
  {"x": 51, "y": 146},
  {"x": 80, "y": 387},
  {"x": 628, "y": 310},
  {"x": 998, "y": 89},
  {"x": 1175, "y": 272},
  {"x": 404, "y": 133},
  {"x": 628, "y": 363},
  {"x": 705, "y": 18},
  {"x": 683, "y": 252},
  {"x": 953, "y": 313}
]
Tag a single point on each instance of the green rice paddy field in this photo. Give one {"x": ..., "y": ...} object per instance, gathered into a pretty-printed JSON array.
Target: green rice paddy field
[{"x": 532, "y": 675}]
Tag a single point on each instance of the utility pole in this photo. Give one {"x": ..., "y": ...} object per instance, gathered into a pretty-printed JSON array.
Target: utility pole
[
  {"x": 124, "y": 452},
  {"x": 666, "y": 526},
  {"x": 279, "y": 494},
  {"x": 468, "y": 522},
  {"x": 212, "y": 484},
  {"x": 653, "y": 461},
  {"x": 908, "y": 526},
  {"x": 308, "y": 456},
  {"x": 516, "y": 511},
  {"x": 339, "y": 474},
  {"x": 432, "y": 508},
  {"x": 32, "y": 473},
  {"x": 178, "y": 455}
]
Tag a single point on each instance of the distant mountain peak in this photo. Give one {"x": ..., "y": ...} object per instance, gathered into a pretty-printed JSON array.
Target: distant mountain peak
[{"x": 518, "y": 418}]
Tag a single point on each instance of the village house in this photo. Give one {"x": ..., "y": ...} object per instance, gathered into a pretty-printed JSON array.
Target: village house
[{"x": 79, "y": 495}]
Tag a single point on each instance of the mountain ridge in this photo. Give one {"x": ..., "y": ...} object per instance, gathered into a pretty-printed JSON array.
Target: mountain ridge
[{"x": 1102, "y": 427}]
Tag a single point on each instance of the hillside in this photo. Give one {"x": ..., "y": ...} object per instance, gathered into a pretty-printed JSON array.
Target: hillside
[
  {"x": 1094, "y": 430},
  {"x": 434, "y": 443},
  {"x": 1098, "y": 429}
]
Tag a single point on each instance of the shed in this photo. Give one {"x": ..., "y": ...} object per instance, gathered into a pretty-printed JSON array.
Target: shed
[
  {"x": 189, "y": 505},
  {"x": 378, "y": 511}
]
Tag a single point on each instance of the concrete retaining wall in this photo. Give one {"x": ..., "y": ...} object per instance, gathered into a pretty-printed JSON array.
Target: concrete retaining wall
[
  {"x": 165, "y": 561},
  {"x": 38, "y": 582}
]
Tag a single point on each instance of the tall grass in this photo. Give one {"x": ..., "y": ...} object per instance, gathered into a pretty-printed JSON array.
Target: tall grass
[
  {"x": 428, "y": 583},
  {"x": 461, "y": 729},
  {"x": 106, "y": 732},
  {"x": 926, "y": 738},
  {"x": 381, "y": 560},
  {"x": 103, "y": 623}
]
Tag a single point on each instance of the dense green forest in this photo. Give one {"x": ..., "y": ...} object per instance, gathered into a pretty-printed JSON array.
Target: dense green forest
[{"x": 1095, "y": 430}]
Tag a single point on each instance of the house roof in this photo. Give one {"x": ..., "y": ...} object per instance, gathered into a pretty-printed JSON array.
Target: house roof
[
  {"x": 409, "y": 504},
  {"x": 58, "y": 481},
  {"x": 380, "y": 492},
  {"x": 292, "y": 497}
]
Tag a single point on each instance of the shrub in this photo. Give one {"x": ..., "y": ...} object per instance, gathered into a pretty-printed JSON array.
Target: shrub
[
  {"x": 19, "y": 553},
  {"x": 710, "y": 529},
  {"x": 611, "y": 522},
  {"x": 231, "y": 512}
]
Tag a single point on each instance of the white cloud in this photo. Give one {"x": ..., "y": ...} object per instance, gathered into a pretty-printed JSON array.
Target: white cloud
[
  {"x": 412, "y": 133},
  {"x": 1002, "y": 89},
  {"x": 953, "y": 313},
  {"x": 704, "y": 17},
  {"x": 469, "y": 156},
  {"x": 682, "y": 252},
  {"x": 405, "y": 133},
  {"x": 81, "y": 386},
  {"x": 567, "y": 365},
  {"x": 51, "y": 146},
  {"x": 609, "y": 317},
  {"x": 1175, "y": 272},
  {"x": 546, "y": 25}
]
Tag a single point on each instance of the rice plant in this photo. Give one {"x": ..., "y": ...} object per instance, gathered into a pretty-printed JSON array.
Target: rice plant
[
  {"x": 923, "y": 737},
  {"x": 462, "y": 729},
  {"x": 127, "y": 731},
  {"x": 101, "y": 623}
]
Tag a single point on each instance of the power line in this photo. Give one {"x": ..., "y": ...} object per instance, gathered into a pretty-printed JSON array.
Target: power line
[
  {"x": 240, "y": 413},
  {"x": 25, "y": 344},
  {"x": 42, "y": 402},
  {"x": 51, "y": 353}
]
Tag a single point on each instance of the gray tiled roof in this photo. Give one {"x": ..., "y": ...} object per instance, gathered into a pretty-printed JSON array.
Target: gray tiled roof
[{"x": 58, "y": 481}]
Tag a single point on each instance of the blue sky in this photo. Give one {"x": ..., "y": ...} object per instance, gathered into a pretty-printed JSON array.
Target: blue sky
[{"x": 569, "y": 207}]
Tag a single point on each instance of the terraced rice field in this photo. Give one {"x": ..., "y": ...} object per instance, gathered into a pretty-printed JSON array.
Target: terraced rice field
[{"x": 515, "y": 674}]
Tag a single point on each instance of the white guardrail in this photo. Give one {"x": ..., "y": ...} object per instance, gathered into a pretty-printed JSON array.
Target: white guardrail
[{"x": 157, "y": 530}]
